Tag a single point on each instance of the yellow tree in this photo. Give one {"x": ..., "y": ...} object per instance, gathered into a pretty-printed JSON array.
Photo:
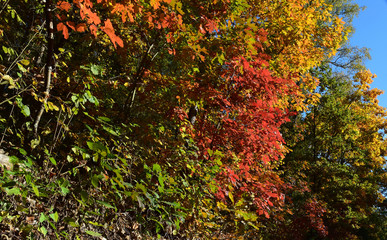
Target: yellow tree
[{"x": 301, "y": 34}]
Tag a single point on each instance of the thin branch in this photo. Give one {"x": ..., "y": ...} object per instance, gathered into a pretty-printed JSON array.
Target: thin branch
[
  {"x": 46, "y": 93},
  {"x": 10, "y": 114},
  {"x": 56, "y": 129},
  {"x": 5, "y": 5},
  {"x": 29, "y": 42},
  {"x": 50, "y": 61},
  {"x": 6, "y": 100}
]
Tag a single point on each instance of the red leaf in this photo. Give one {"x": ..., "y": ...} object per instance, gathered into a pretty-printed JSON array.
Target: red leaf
[
  {"x": 220, "y": 194},
  {"x": 245, "y": 64},
  {"x": 201, "y": 29},
  {"x": 265, "y": 159},
  {"x": 273, "y": 195},
  {"x": 212, "y": 26}
]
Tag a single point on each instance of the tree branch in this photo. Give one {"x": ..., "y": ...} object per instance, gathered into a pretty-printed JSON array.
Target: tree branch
[{"x": 49, "y": 62}]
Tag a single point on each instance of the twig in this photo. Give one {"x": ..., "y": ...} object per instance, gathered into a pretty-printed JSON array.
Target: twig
[
  {"x": 5, "y": 5},
  {"x": 6, "y": 100},
  {"x": 56, "y": 129},
  {"x": 10, "y": 114},
  {"x": 17, "y": 58},
  {"x": 46, "y": 93}
]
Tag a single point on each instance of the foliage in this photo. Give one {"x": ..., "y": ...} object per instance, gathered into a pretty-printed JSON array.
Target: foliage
[
  {"x": 340, "y": 158},
  {"x": 162, "y": 118}
]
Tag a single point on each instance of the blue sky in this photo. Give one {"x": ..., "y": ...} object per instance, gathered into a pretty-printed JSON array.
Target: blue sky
[{"x": 371, "y": 32}]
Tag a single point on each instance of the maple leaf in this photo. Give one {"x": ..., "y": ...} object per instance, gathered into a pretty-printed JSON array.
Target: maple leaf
[
  {"x": 62, "y": 5},
  {"x": 94, "y": 30},
  {"x": 212, "y": 25},
  {"x": 61, "y": 17},
  {"x": 92, "y": 18},
  {"x": 71, "y": 25},
  {"x": 64, "y": 29},
  {"x": 155, "y": 3},
  {"x": 109, "y": 30},
  {"x": 80, "y": 27}
]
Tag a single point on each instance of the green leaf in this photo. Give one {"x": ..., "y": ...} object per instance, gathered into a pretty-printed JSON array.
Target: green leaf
[
  {"x": 28, "y": 178},
  {"x": 71, "y": 222},
  {"x": 253, "y": 225},
  {"x": 95, "y": 224},
  {"x": 247, "y": 216},
  {"x": 52, "y": 160},
  {"x": 25, "y": 110},
  {"x": 21, "y": 68},
  {"x": 110, "y": 130},
  {"x": 141, "y": 187},
  {"x": 54, "y": 216},
  {"x": 43, "y": 230},
  {"x": 104, "y": 119},
  {"x": 5, "y": 49},
  {"x": 95, "y": 180},
  {"x": 36, "y": 190},
  {"x": 95, "y": 69},
  {"x": 22, "y": 151},
  {"x": 156, "y": 167},
  {"x": 94, "y": 234},
  {"x": 96, "y": 146},
  {"x": 14, "y": 160},
  {"x": 231, "y": 197},
  {"x": 161, "y": 179},
  {"x": 35, "y": 142},
  {"x": 13, "y": 191},
  {"x": 64, "y": 190},
  {"x": 43, "y": 217},
  {"x": 69, "y": 158},
  {"x": 105, "y": 204}
]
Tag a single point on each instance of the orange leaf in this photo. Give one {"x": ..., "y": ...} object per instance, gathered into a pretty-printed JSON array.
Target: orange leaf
[
  {"x": 71, "y": 25},
  {"x": 109, "y": 30},
  {"x": 92, "y": 17},
  {"x": 155, "y": 3},
  {"x": 81, "y": 27},
  {"x": 64, "y": 29},
  {"x": 93, "y": 30},
  {"x": 61, "y": 17},
  {"x": 63, "y": 6}
]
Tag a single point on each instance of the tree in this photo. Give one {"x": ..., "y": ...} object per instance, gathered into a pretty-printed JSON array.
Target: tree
[
  {"x": 340, "y": 158},
  {"x": 116, "y": 143}
]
